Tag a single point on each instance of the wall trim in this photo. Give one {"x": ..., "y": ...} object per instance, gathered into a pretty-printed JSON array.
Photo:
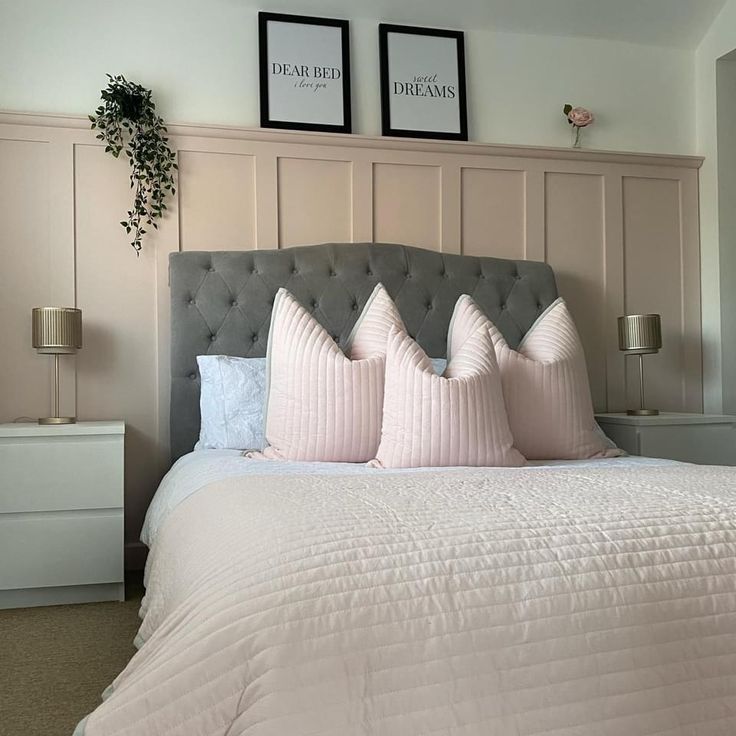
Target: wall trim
[{"x": 363, "y": 141}]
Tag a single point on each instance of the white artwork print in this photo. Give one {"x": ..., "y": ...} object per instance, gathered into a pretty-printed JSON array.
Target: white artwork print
[
  {"x": 305, "y": 74},
  {"x": 424, "y": 89}
]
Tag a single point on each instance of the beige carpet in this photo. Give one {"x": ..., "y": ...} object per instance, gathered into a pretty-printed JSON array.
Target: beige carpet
[{"x": 55, "y": 661}]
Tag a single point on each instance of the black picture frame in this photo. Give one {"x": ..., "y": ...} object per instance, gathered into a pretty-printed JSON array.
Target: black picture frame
[
  {"x": 267, "y": 120},
  {"x": 388, "y": 128}
]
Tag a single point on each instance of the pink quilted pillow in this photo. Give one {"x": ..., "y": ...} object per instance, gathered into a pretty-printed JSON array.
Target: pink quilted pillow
[
  {"x": 545, "y": 385},
  {"x": 454, "y": 419},
  {"x": 323, "y": 406}
]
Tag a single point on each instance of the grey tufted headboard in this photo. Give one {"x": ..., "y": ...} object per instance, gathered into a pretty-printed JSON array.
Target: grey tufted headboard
[{"x": 221, "y": 302}]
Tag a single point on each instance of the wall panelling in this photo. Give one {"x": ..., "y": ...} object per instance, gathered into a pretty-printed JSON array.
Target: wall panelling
[
  {"x": 621, "y": 231},
  {"x": 407, "y": 204},
  {"x": 216, "y": 200}
]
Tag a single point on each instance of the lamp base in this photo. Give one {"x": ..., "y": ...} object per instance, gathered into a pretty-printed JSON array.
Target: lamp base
[
  {"x": 642, "y": 412},
  {"x": 57, "y": 420}
]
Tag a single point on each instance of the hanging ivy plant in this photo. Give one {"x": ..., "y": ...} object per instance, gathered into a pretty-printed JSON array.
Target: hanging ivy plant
[{"x": 127, "y": 121}]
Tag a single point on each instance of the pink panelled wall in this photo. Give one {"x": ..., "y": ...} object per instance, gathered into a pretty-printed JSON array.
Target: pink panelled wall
[{"x": 621, "y": 231}]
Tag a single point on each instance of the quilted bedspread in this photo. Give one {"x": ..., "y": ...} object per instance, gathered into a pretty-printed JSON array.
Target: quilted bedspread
[{"x": 504, "y": 602}]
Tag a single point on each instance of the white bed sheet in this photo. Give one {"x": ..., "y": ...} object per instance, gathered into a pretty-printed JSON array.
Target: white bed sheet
[{"x": 197, "y": 469}]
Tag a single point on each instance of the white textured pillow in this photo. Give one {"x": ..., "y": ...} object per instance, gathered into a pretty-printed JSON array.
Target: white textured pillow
[
  {"x": 545, "y": 384},
  {"x": 451, "y": 420},
  {"x": 323, "y": 405},
  {"x": 231, "y": 402}
]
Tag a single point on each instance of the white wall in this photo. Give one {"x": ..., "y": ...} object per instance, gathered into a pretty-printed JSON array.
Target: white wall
[
  {"x": 718, "y": 42},
  {"x": 200, "y": 58}
]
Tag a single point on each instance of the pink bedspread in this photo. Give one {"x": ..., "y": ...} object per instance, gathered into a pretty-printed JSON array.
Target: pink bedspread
[{"x": 568, "y": 602}]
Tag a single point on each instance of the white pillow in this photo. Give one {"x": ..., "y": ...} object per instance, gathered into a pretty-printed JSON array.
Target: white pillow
[{"x": 231, "y": 403}]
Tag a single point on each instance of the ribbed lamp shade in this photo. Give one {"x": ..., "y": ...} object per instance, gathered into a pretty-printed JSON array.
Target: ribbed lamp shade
[
  {"x": 57, "y": 330},
  {"x": 640, "y": 333}
]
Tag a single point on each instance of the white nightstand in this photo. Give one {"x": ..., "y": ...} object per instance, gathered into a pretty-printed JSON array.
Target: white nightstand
[
  {"x": 707, "y": 439},
  {"x": 61, "y": 513}
]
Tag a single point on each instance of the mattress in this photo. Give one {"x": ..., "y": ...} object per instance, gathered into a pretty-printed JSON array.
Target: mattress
[{"x": 578, "y": 599}]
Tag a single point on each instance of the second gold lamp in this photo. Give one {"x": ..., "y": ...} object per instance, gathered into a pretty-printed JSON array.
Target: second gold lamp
[{"x": 640, "y": 334}]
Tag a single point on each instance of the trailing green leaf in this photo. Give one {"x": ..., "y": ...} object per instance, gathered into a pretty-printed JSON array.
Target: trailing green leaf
[{"x": 127, "y": 121}]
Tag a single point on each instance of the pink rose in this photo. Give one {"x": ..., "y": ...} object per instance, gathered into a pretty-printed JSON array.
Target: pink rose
[{"x": 580, "y": 117}]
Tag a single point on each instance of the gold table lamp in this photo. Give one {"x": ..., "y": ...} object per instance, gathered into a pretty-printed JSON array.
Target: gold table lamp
[
  {"x": 640, "y": 334},
  {"x": 57, "y": 331}
]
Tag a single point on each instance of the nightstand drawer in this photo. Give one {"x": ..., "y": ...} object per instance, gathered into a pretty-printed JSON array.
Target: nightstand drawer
[
  {"x": 706, "y": 439},
  {"x": 704, "y": 445},
  {"x": 61, "y": 473},
  {"x": 61, "y": 549}
]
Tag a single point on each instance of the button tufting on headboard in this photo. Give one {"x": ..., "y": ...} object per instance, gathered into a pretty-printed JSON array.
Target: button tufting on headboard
[{"x": 337, "y": 277}]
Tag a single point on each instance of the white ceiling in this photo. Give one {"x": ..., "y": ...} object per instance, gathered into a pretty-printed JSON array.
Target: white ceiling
[{"x": 680, "y": 23}]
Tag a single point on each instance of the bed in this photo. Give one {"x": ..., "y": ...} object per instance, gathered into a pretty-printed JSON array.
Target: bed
[{"x": 589, "y": 598}]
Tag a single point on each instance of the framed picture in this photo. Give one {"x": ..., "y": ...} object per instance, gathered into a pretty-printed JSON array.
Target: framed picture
[
  {"x": 422, "y": 82},
  {"x": 304, "y": 72}
]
